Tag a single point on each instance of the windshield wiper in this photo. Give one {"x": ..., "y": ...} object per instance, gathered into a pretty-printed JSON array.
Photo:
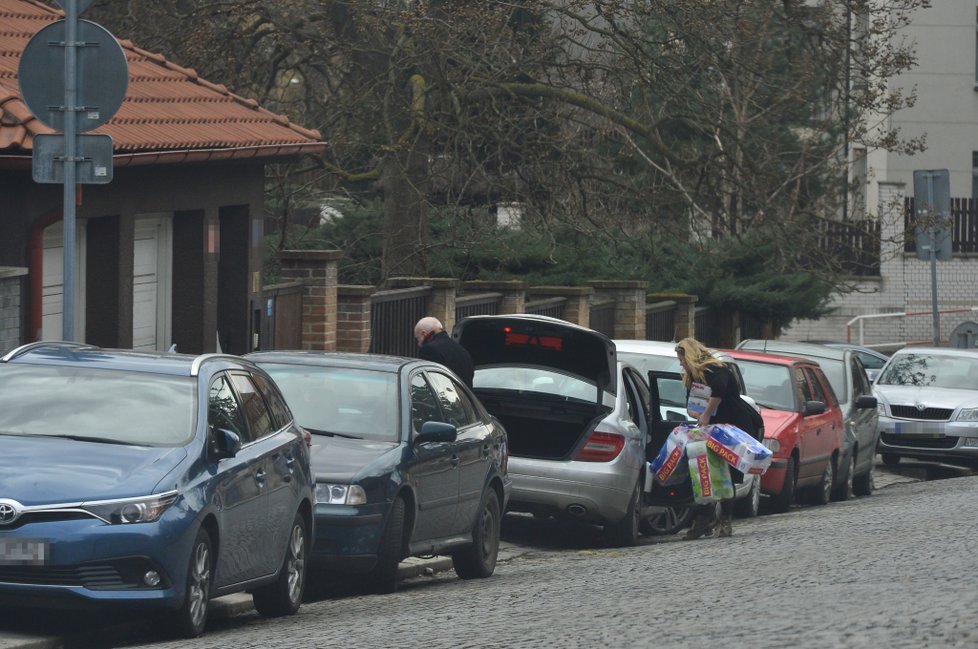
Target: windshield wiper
[
  {"x": 329, "y": 433},
  {"x": 98, "y": 440}
]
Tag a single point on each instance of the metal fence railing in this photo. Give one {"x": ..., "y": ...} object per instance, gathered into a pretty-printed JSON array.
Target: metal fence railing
[
  {"x": 660, "y": 321},
  {"x": 553, "y": 307},
  {"x": 393, "y": 315},
  {"x": 480, "y": 304}
]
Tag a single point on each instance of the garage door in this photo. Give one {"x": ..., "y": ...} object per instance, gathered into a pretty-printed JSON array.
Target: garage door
[
  {"x": 52, "y": 291},
  {"x": 151, "y": 304}
]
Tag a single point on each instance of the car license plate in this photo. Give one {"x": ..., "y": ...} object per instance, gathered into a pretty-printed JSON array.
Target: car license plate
[
  {"x": 23, "y": 552},
  {"x": 918, "y": 428}
]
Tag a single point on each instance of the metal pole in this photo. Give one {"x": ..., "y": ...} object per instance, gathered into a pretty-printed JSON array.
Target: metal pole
[
  {"x": 71, "y": 130},
  {"x": 933, "y": 285}
]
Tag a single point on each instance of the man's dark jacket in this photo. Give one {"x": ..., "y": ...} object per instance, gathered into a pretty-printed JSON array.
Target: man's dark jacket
[{"x": 440, "y": 348}]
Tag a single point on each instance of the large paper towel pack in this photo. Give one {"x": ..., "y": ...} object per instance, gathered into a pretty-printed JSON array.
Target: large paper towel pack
[
  {"x": 670, "y": 458},
  {"x": 738, "y": 449},
  {"x": 710, "y": 475}
]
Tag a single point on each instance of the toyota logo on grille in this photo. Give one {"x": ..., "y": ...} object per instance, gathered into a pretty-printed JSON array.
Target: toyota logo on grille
[{"x": 9, "y": 511}]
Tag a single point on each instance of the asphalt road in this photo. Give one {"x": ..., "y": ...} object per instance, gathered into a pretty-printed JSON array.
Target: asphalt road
[{"x": 893, "y": 570}]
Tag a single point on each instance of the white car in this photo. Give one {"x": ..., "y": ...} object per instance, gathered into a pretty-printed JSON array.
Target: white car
[
  {"x": 928, "y": 405},
  {"x": 657, "y": 360}
]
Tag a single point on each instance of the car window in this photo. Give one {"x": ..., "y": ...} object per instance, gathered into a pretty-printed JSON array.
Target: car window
[
  {"x": 424, "y": 403},
  {"x": 456, "y": 405},
  {"x": 871, "y": 362},
  {"x": 646, "y": 362},
  {"x": 539, "y": 380},
  {"x": 860, "y": 381},
  {"x": 635, "y": 401},
  {"x": 276, "y": 404},
  {"x": 768, "y": 384},
  {"x": 141, "y": 408},
  {"x": 812, "y": 380},
  {"x": 253, "y": 406},
  {"x": 340, "y": 400},
  {"x": 801, "y": 379},
  {"x": 224, "y": 411}
]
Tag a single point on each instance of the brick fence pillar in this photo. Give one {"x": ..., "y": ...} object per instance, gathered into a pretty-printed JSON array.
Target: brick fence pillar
[
  {"x": 353, "y": 318},
  {"x": 513, "y": 292},
  {"x": 318, "y": 271},
  {"x": 441, "y": 302},
  {"x": 629, "y": 297},
  {"x": 577, "y": 308}
]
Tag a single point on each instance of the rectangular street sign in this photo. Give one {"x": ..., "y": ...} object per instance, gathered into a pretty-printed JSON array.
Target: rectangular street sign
[
  {"x": 932, "y": 213},
  {"x": 93, "y": 164}
]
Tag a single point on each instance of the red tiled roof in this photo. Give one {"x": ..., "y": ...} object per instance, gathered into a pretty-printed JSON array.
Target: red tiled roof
[{"x": 169, "y": 113}]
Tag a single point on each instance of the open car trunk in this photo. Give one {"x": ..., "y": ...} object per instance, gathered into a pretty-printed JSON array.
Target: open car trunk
[{"x": 540, "y": 428}]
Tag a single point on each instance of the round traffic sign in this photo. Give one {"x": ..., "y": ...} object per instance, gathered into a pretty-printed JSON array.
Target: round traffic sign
[{"x": 102, "y": 75}]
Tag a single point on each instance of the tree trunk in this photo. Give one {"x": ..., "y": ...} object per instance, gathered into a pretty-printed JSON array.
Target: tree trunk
[{"x": 404, "y": 182}]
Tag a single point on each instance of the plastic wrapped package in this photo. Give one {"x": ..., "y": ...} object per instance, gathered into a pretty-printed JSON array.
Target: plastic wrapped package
[
  {"x": 709, "y": 474},
  {"x": 668, "y": 467},
  {"x": 738, "y": 449}
]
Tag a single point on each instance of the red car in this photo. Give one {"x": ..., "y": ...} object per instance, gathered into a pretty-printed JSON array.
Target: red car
[{"x": 802, "y": 425}]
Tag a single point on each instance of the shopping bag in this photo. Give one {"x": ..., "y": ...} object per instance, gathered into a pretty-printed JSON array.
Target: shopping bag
[
  {"x": 670, "y": 457},
  {"x": 709, "y": 474},
  {"x": 738, "y": 449}
]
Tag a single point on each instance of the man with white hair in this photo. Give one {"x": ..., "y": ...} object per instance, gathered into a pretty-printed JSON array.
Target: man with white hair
[{"x": 436, "y": 345}]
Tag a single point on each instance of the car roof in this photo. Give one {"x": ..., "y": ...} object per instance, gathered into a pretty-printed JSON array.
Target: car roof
[
  {"x": 658, "y": 347},
  {"x": 375, "y": 362},
  {"x": 763, "y": 357},
  {"x": 79, "y": 354},
  {"x": 790, "y": 348}
]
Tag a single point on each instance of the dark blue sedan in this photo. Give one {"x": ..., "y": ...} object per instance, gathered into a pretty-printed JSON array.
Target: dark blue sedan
[
  {"x": 407, "y": 462},
  {"x": 157, "y": 480}
]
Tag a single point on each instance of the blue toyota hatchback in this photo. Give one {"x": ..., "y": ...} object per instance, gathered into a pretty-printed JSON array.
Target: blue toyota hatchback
[{"x": 157, "y": 480}]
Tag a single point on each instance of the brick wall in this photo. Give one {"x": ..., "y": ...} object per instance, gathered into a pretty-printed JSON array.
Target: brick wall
[{"x": 11, "y": 286}]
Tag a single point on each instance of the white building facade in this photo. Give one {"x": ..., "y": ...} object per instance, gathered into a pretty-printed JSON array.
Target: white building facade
[{"x": 945, "y": 80}]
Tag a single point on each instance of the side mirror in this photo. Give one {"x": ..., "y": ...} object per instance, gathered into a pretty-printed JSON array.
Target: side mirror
[
  {"x": 226, "y": 444},
  {"x": 436, "y": 431},
  {"x": 813, "y": 408},
  {"x": 866, "y": 401}
]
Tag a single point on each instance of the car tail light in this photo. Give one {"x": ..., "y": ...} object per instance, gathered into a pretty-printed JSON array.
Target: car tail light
[{"x": 601, "y": 447}]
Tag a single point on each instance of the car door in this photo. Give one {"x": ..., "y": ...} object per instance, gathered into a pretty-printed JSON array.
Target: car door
[
  {"x": 434, "y": 469},
  {"x": 816, "y": 431},
  {"x": 864, "y": 420},
  {"x": 240, "y": 489},
  {"x": 473, "y": 447},
  {"x": 276, "y": 442}
]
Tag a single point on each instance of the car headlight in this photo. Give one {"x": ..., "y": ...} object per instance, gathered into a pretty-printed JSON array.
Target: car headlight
[
  {"x": 773, "y": 444},
  {"x": 880, "y": 407},
  {"x": 340, "y": 494},
  {"x": 131, "y": 510},
  {"x": 968, "y": 414}
]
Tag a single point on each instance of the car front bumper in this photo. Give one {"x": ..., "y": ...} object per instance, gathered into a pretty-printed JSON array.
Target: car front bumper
[
  {"x": 348, "y": 537},
  {"x": 928, "y": 439},
  {"x": 88, "y": 562}
]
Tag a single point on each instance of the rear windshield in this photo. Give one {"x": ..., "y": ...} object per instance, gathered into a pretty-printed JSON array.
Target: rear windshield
[
  {"x": 99, "y": 405},
  {"x": 645, "y": 362},
  {"x": 542, "y": 381},
  {"x": 931, "y": 370},
  {"x": 344, "y": 401},
  {"x": 769, "y": 385}
]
